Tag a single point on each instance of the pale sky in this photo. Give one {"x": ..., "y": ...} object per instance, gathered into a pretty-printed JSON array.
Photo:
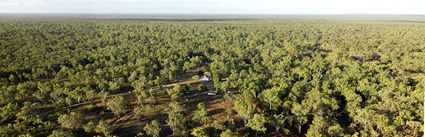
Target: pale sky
[{"x": 216, "y": 6}]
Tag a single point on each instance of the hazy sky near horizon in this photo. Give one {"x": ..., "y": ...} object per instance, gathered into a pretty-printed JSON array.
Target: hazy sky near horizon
[{"x": 215, "y": 6}]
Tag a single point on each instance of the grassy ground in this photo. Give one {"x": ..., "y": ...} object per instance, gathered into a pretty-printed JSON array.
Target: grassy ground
[
  {"x": 216, "y": 106},
  {"x": 129, "y": 125}
]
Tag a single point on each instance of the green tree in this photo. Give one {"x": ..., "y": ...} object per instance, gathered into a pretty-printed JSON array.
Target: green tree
[
  {"x": 117, "y": 105},
  {"x": 140, "y": 85},
  {"x": 176, "y": 119},
  {"x": 201, "y": 115},
  {"x": 103, "y": 128},
  {"x": 77, "y": 95},
  {"x": 244, "y": 107},
  {"x": 200, "y": 132},
  {"x": 138, "y": 112},
  {"x": 26, "y": 88},
  {"x": 300, "y": 115},
  {"x": 61, "y": 133},
  {"x": 188, "y": 66},
  {"x": 8, "y": 111},
  {"x": 90, "y": 127},
  {"x": 279, "y": 121},
  {"x": 225, "y": 86},
  {"x": 202, "y": 88},
  {"x": 257, "y": 123},
  {"x": 71, "y": 121},
  {"x": 317, "y": 127},
  {"x": 229, "y": 133},
  {"x": 175, "y": 93},
  {"x": 272, "y": 96},
  {"x": 133, "y": 76},
  {"x": 152, "y": 128},
  {"x": 184, "y": 89},
  {"x": 175, "y": 107},
  {"x": 142, "y": 96},
  {"x": 91, "y": 94}
]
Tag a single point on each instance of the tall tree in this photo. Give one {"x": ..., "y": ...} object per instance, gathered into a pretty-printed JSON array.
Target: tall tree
[
  {"x": 300, "y": 115},
  {"x": 153, "y": 128},
  {"x": 201, "y": 115},
  {"x": 104, "y": 128},
  {"x": 257, "y": 123},
  {"x": 118, "y": 105},
  {"x": 71, "y": 121},
  {"x": 200, "y": 132},
  {"x": 272, "y": 96},
  {"x": 245, "y": 107},
  {"x": 176, "y": 119}
]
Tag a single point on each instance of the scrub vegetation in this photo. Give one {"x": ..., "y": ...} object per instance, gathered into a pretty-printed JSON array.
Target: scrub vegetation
[{"x": 265, "y": 77}]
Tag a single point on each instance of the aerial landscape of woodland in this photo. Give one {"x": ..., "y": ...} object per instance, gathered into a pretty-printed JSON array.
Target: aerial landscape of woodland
[{"x": 212, "y": 76}]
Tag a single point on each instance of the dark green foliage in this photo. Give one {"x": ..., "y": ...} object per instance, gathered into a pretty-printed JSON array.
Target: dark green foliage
[
  {"x": 184, "y": 89},
  {"x": 202, "y": 88}
]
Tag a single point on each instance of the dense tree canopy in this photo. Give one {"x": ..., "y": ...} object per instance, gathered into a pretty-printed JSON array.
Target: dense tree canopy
[{"x": 313, "y": 77}]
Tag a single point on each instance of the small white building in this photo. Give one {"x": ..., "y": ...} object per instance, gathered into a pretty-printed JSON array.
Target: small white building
[
  {"x": 212, "y": 93},
  {"x": 205, "y": 78}
]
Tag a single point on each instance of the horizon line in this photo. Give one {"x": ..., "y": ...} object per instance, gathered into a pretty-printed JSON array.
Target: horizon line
[{"x": 282, "y": 14}]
